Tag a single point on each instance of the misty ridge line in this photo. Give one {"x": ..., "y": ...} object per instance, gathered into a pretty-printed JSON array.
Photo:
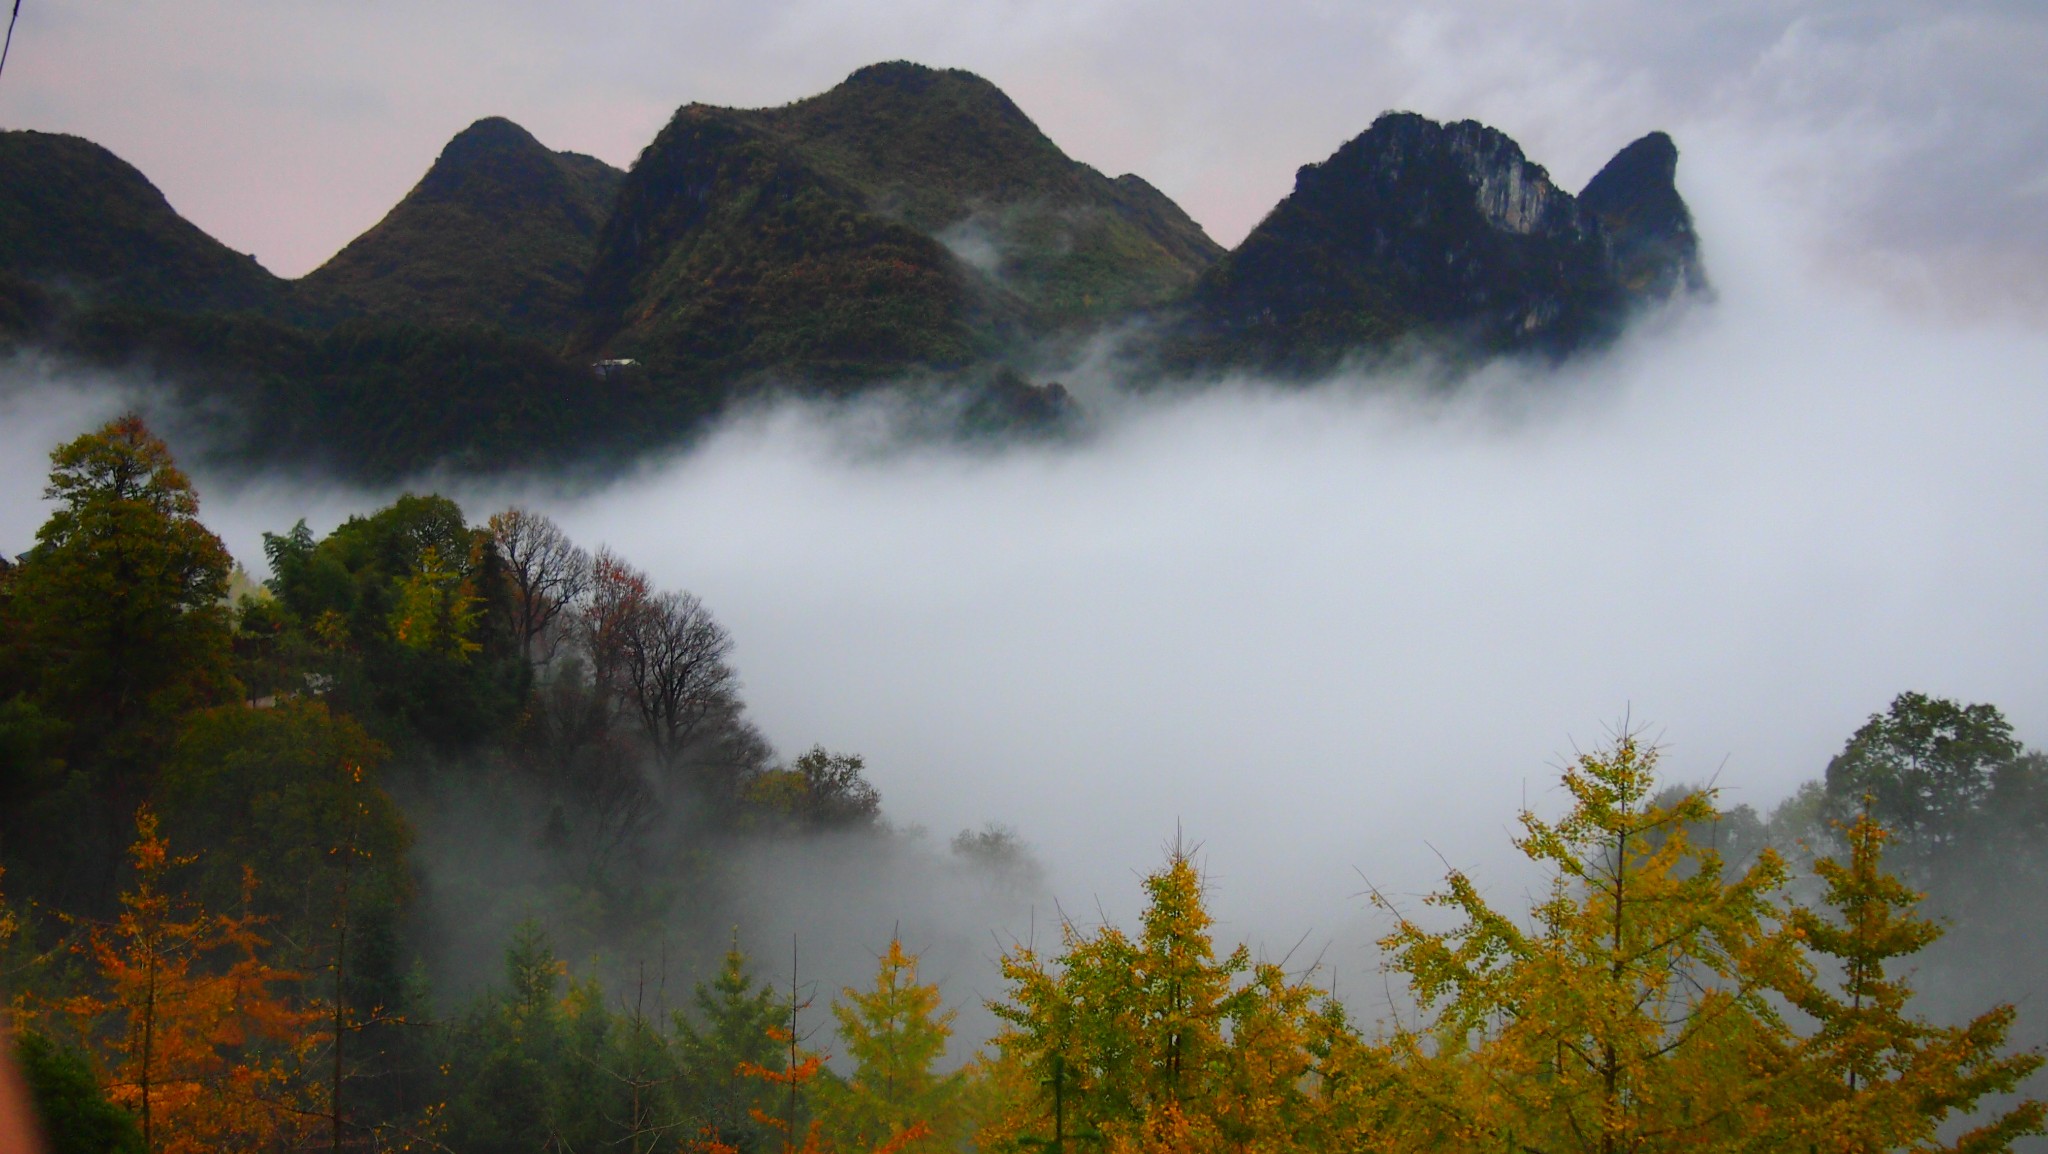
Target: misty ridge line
[{"x": 524, "y": 309}]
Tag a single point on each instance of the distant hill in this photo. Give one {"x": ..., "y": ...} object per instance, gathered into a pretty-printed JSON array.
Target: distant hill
[
  {"x": 522, "y": 306},
  {"x": 1447, "y": 233},
  {"x": 949, "y": 154},
  {"x": 500, "y": 232},
  {"x": 908, "y": 219},
  {"x": 84, "y": 225}
]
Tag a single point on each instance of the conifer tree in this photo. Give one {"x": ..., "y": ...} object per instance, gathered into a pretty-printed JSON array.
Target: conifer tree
[
  {"x": 896, "y": 1035},
  {"x": 1634, "y": 1014},
  {"x": 734, "y": 1029},
  {"x": 1154, "y": 1043},
  {"x": 1873, "y": 1078},
  {"x": 203, "y": 1046}
]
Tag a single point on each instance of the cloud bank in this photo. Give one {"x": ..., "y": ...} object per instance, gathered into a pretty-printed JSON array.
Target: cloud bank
[{"x": 1350, "y": 629}]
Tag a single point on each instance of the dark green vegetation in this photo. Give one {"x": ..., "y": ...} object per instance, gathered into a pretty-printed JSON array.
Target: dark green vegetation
[
  {"x": 928, "y": 189},
  {"x": 910, "y": 226},
  {"x": 1444, "y": 233},
  {"x": 86, "y": 226},
  {"x": 500, "y": 232},
  {"x": 219, "y": 931}
]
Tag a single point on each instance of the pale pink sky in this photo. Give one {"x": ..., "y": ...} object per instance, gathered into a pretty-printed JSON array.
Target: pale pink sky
[{"x": 1910, "y": 129}]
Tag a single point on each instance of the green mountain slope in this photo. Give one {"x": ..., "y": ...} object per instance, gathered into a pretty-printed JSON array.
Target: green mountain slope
[
  {"x": 500, "y": 232},
  {"x": 909, "y": 219},
  {"x": 83, "y": 224},
  {"x": 949, "y": 154},
  {"x": 727, "y": 255}
]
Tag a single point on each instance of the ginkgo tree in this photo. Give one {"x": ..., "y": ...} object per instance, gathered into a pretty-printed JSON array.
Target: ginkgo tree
[{"x": 1634, "y": 1012}]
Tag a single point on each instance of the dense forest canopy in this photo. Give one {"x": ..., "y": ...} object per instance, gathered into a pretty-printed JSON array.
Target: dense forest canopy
[{"x": 216, "y": 931}]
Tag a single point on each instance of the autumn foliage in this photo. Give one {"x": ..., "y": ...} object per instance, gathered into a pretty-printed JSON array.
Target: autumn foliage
[{"x": 201, "y": 1038}]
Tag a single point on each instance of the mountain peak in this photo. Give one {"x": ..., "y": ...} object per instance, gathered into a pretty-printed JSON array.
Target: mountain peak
[
  {"x": 500, "y": 229},
  {"x": 75, "y": 216},
  {"x": 1635, "y": 198},
  {"x": 493, "y": 159},
  {"x": 1443, "y": 230}
]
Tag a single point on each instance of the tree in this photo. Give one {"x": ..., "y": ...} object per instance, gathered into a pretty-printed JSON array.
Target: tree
[
  {"x": 1635, "y": 1014},
  {"x": 547, "y": 572},
  {"x": 116, "y": 623},
  {"x": 1923, "y": 769},
  {"x": 676, "y": 670},
  {"x": 1871, "y": 1077},
  {"x": 896, "y": 1035},
  {"x": 203, "y": 1047},
  {"x": 287, "y": 788},
  {"x": 734, "y": 1030},
  {"x": 610, "y": 616},
  {"x": 1154, "y": 1043},
  {"x": 437, "y": 608},
  {"x": 76, "y": 1115},
  {"x": 820, "y": 790}
]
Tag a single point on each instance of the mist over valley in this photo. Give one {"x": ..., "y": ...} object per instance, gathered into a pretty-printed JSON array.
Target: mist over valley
[{"x": 697, "y": 621}]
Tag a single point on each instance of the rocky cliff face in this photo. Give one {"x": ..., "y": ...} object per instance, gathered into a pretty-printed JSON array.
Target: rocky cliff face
[
  {"x": 500, "y": 232},
  {"x": 1421, "y": 230},
  {"x": 1635, "y": 199}
]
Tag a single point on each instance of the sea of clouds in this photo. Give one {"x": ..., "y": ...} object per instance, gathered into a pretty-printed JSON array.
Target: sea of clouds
[{"x": 1342, "y": 634}]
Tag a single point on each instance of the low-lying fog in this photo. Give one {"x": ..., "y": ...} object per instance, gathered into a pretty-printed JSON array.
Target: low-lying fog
[{"x": 1350, "y": 629}]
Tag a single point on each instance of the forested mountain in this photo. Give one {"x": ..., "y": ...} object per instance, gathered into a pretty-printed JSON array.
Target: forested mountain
[
  {"x": 500, "y": 232},
  {"x": 83, "y": 223},
  {"x": 911, "y": 225},
  {"x": 1444, "y": 232},
  {"x": 908, "y": 219}
]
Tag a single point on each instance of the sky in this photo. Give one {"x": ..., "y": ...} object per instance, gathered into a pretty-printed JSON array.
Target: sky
[{"x": 1336, "y": 635}]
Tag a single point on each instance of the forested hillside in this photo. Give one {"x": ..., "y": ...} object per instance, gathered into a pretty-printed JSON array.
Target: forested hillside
[
  {"x": 218, "y": 931},
  {"x": 911, "y": 228}
]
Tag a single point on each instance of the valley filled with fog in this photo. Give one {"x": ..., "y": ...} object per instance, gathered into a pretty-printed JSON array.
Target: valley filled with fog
[{"x": 1338, "y": 631}]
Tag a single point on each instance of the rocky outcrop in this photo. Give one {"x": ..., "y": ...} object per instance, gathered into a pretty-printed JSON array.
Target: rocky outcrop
[
  {"x": 1444, "y": 233},
  {"x": 1635, "y": 199}
]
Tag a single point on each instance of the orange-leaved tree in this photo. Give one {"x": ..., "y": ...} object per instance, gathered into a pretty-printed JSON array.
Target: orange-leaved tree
[{"x": 199, "y": 1039}]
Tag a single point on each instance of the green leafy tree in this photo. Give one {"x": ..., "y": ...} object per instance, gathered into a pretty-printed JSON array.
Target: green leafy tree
[
  {"x": 896, "y": 1035},
  {"x": 818, "y": 790},
  {"x": 115, "y": 627},
  {"x": 404, "y": 617},
  {"x": 76, "y": 1115},
  {"x": 1924, "y": 769},
  {"x": 733, "y": 1029},
  {"x": 527, "y": 1065}
]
